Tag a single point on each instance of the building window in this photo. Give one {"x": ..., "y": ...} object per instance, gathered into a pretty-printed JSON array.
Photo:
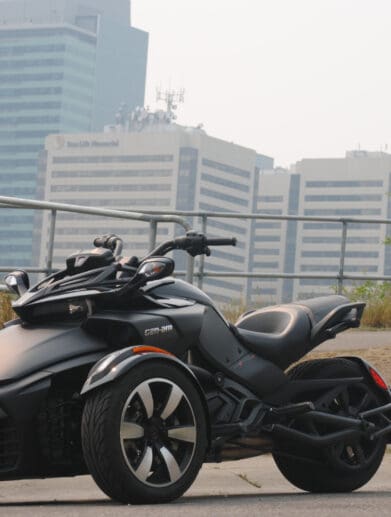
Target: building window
[
  {"x": 343, "y": 212},
  {"x": 226, "y": 168},
  {"x": 112, "y": 188},
  {"x": 343, "y": 184},
  {"x": 267, "y": 226},
  {"x": 114, "y": 159},
  {"x": 353, "y": 197},
  {"x": 114, "y": 173},
  {"x": 266, "y": 265},
  {"x": 337, "y": 254},
  {"x": 224, "y": 182},
  {"x": 223, "y": 197}
]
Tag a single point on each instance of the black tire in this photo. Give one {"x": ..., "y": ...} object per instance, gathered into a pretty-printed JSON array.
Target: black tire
[
  {"x": 144, "y": 436},
  {"x": 341, "y": 468}
]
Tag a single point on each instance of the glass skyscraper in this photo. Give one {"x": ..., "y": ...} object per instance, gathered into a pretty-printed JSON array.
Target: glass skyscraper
[{"x": 65, "y": 66}]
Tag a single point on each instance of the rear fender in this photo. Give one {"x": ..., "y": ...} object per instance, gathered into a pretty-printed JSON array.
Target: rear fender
[
  {"x": 115, "y": 365},
  {"x": 371, "y": 374}
]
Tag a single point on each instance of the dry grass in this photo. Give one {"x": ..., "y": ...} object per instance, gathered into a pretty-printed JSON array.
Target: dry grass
[
  {"x": 377, "y": 296},
  {"x": 233, "y": 310},
  {"x": 377, "y": 314},
  {"x": 6, "y": 312}
]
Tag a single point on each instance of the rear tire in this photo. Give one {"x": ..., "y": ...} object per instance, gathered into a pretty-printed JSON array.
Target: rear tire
[
  {"x": 339, "y": 468},
  {"x": 144, "y": 436}
]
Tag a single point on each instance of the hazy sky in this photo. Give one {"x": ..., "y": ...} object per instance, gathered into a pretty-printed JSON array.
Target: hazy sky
[{"x": 289, "y": 78}]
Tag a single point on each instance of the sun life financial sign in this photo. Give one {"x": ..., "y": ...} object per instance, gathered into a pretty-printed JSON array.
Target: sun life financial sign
[{"x": 92, "y": 143}]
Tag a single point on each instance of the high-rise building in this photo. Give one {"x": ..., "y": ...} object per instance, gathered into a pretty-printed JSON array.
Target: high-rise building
[
  {"x": 65, "y": 66},
  {"x": 357, "y": 185},
  {"x": 156, "y": 165}
]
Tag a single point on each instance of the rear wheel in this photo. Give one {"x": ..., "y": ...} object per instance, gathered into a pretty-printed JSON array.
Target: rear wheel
[
  {"x": 144, "y": 437},
  {"x": 339, "y": 468}
]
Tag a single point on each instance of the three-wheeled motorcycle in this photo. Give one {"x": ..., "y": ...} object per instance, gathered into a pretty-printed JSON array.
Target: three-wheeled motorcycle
[{"x": 118, "y": 369}]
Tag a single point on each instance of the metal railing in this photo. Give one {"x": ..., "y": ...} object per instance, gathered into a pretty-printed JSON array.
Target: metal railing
[{"x": 154, "y": 217}]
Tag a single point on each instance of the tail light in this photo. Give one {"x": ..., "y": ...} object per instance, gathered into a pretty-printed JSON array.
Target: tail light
[{"x": 378, "y": 379}]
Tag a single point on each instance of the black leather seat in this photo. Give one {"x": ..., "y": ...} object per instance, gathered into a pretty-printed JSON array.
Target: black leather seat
[
  {"x": 282, "y": 334},
  {"x": 321, "y": 306}
]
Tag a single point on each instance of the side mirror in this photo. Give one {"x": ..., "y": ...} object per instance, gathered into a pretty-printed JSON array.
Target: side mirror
[
  {"x": 155, "y": 268},
  {"x": 18, "y": 282}
]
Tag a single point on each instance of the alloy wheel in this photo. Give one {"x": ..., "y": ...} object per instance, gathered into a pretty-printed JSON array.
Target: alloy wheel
[
  {"x": 158, "y": 432},
  {"x": 351, "y": 401}
]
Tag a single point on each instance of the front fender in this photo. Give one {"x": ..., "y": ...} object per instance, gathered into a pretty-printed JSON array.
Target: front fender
[{"x": 115, "y": 365}]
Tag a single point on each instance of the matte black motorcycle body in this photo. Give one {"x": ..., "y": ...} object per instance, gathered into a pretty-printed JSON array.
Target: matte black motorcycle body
[{"x": 116, "y": 369}]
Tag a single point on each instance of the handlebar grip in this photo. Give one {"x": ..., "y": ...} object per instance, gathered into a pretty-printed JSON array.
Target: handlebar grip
[
  {"x": 221, "y": 242},
  {"x": 100, "y": 242},
  {"x": 111, "y": 242}
]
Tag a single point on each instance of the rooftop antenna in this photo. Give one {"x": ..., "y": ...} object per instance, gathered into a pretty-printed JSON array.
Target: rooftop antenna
[{"x": 172, "y": 98}]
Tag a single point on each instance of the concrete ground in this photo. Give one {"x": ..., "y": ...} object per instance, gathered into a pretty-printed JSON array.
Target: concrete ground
[
  {"x": 251, "y": 487},
  {"x": 245, "y": 488},
  {"x": 357, "y": 340}
]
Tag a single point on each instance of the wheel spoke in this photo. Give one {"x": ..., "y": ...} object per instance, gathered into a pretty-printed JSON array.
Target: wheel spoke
[
  {"x": 363, "y": 403},
  {"x": 186, "y": 433},
  {"x": 145, "y": 394},
  {"x": 143, "y": 470},
  {"x": 173, "y": 401},
  {"x": 131, "y": 431},
  {"x": 344, "y": 400},
  {"x": 172, "y": 466}
]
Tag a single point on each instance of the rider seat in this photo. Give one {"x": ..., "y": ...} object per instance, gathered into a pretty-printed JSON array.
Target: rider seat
[{"x": 284, "y": 333}]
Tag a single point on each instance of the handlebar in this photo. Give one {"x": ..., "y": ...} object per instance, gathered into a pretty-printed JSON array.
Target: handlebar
[{"x": 194, "y": 243}]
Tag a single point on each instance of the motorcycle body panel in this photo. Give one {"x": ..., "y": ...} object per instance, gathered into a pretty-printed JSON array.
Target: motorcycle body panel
[
  {"x": 25, "y": 350},
  {"x": 178, "y": 288},
  {"x": 219, "y": 345},
  {"x": 175, "y": 329}
]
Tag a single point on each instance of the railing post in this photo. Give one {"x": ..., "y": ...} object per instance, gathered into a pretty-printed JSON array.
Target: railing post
[
  {"x": 342, "y": 256},
  {"x": 190, "y": 269},
  {"x": 204, "y": 220},
  {"x": 152, "y": 234},
  {"x": 52, "y": 231}
]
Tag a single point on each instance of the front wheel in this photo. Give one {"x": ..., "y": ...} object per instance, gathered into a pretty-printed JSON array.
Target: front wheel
[
  {"x": 144, "y": 437},
  {"x": 340, "y": 468}
]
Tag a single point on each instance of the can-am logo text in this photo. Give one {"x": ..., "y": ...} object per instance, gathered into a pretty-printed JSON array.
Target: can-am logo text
[{"x": 164, "y": 329}]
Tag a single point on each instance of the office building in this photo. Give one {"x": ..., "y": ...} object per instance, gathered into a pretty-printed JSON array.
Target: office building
[
  {"x": 357, "y": 185},
  {"x": 65, "y": 65},
  {"x": 153, "y": 165}
]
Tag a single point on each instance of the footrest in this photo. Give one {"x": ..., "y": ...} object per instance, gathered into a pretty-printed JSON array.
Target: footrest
[{"x": 293, "y": 409}]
